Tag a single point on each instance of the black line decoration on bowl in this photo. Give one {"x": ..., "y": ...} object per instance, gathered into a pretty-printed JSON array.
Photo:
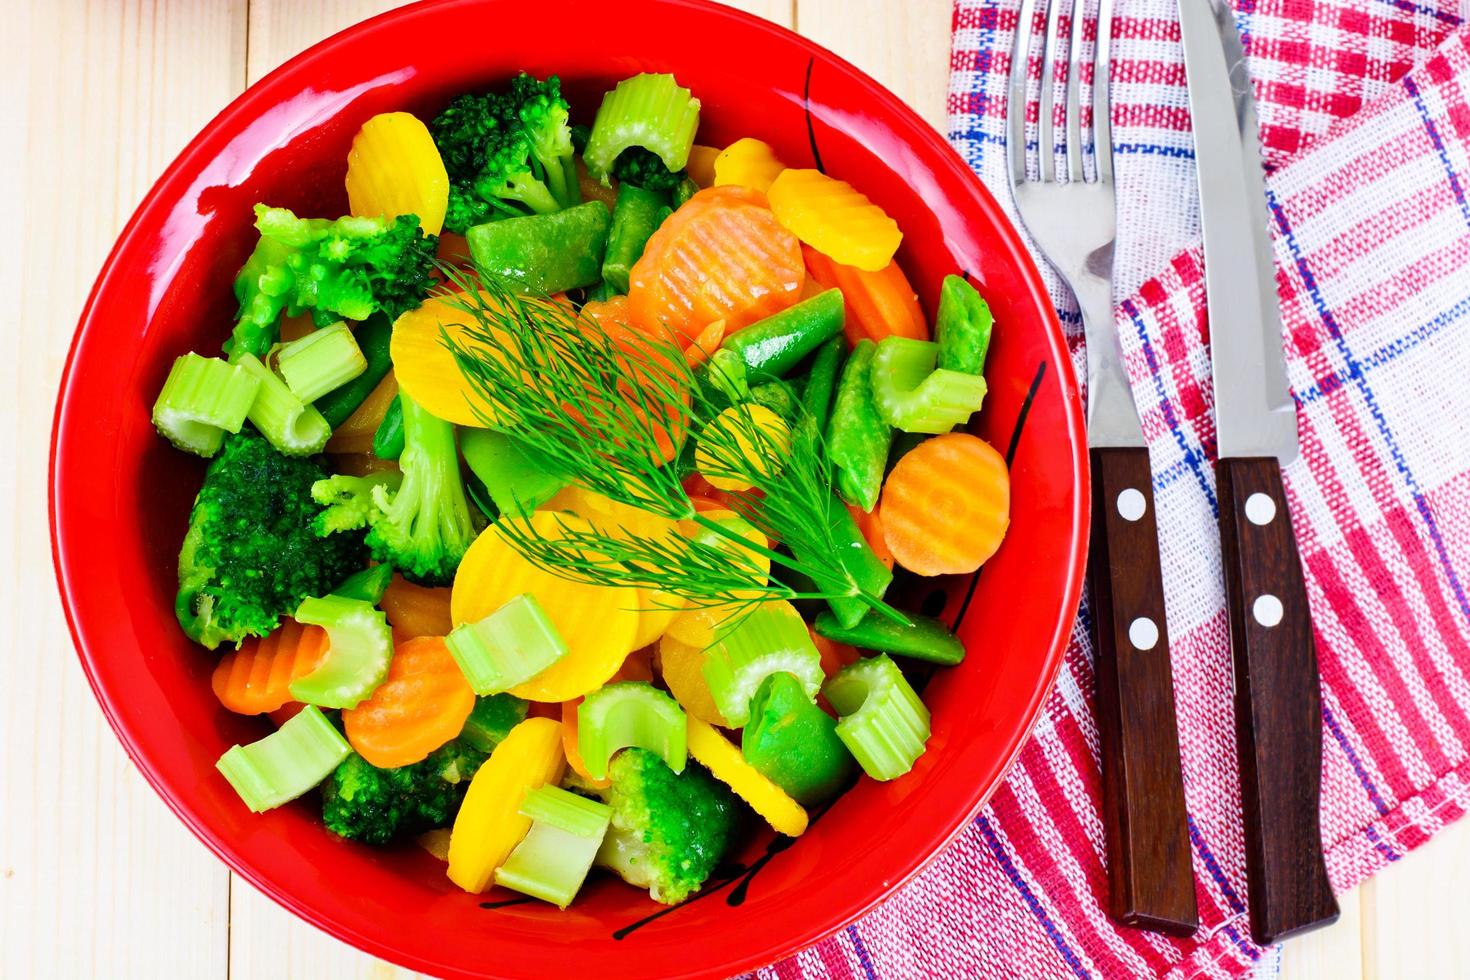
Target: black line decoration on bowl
[
  {"x": 1015, "y": 443},
  {"x": 806, "y": 108},
  {"x": 742, "y": 876}
]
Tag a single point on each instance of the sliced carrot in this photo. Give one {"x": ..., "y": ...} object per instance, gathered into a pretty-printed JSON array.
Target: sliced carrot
[
  {"x": 285, "y": 713},
  {"x": 879, "y": 304},
  {"x": 355, "y": 435},
  {"x": 415, "y": 610},
  {"x": 569, "y": 745},
  {"x": 256, "y": 677},
  {"x": 871, "y": 525},
  {"x": 593, "y": 189},
  {"x": 701, "y": 164},
  {"x": 612, "y": 316},
  {"x": 426, "y": 368},
  {"x": 834, "y": 655},
  {"x": 361, "y": 464},
  {"x": 946, "y": 505},
  {"x": 421, "y": 704},
  {"x": 454, "y": 249},
  {"x": 708, "y": 341},
  {"x": 723, "y": 255},
  {"x": 296, "y": 327},
  {"x": 834, "y": 218},
  {"x": 638, "y": 666}
]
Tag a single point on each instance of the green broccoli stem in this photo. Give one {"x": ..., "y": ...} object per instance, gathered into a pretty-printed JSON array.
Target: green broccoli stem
[
  {"x": 523, "y": 188},
  {"x": 561, "y": 178},
  {"x": 425, "y": 527}
]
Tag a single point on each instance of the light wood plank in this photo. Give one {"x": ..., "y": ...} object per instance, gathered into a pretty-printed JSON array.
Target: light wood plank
[
  {"x": 1417, "y": 912},
  {"x": 1335, "y": 953},
  {"x": 96, "y": 876},
  {"x": 905, "y": 45}
]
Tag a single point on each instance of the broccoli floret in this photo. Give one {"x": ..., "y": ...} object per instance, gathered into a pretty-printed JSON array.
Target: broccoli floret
[
  {"x": 668, "y": 830},
  {"x": 507, "y": 153},
  {"x": 251, "y": 553},
  {"x": 343, "y": 269},
  {"x": 644, "y": 168},
  {"x": 364, "y": 803},
  {"x": 347, "y": 501},
  {"x": 421, "y": 525}
]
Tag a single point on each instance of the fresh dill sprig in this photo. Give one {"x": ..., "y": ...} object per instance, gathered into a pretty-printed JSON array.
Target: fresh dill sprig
[{"x": 609, "y": 414}]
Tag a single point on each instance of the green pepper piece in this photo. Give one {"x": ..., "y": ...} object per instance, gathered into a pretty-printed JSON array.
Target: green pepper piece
[
  {"x": 778, "y": 343},
  {"x": 962, "y": 327},
  {"x": 794, "y": 743},
  {"x": 545, "y": 253},
  {"x": 372, "y": 339},
  {"x": 821, "y": 381},
  {"x": 857, "y": 436},
  {"x": 635, "y": 217},
  {"x": 924, "y": 638},
  {"x": 388, "y": 440},
  {"x": 515, "y": 482}
]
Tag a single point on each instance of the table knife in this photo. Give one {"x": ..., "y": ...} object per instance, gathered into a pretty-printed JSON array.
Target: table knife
[{"x": 1278, "y": 715}]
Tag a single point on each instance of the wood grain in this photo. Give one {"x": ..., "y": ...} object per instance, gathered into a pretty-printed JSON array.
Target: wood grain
[
  {"x": 1150, "y": 865},
  {"x": 97, "y": 878},
  {"x": 1278, "y": 705}
]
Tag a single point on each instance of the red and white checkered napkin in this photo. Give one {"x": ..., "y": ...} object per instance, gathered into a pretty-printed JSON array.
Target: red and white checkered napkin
[{"x": 1365, "y": 112}]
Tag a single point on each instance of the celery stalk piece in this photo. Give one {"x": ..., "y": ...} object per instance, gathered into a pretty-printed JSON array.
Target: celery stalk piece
[
  {"x": 322, "y": 361},
  {"x": 359, "y": 648},
  {"x": 883, "y": 724},
  {"x": 915, "y": 396},
  {"x": 296, "y": 429},
  {"x": 287, "y": 762},
  {"x": 627, "y": 714},
  {"x": 202, "y": 399},
  {"x": 508, "y": 647},
  {"x": 552, "y": 860},
  {"x": 770, "y": 639},
  {"x": 651, "y": 111},
  {"x": 367, "y": 585}
]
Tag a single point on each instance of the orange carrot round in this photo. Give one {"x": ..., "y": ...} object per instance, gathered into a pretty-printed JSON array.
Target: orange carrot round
[
  {"x": 946, "y": 505},
  {"x": 723, "y": 255},
  {"x": 879, "y": 304},
  {"x": 414, "y": 610},
  {"x": 612, "y": 316},
  {"x": 421, "y": 704},
  {"x": 256, "y": 678},
  {"x": 871, "y": 526}
]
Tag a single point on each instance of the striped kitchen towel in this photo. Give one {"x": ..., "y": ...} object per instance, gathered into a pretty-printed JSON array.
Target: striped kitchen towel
[{"x": 1365, "y": 119}]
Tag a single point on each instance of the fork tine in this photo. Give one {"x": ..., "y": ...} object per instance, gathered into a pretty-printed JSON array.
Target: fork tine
[
  {"x": 1074, "y": 94},
  {"x": 1016, "y": 98},
  {"x": 1047, "y": 146},
  {"x": 1102, "y": 73}
]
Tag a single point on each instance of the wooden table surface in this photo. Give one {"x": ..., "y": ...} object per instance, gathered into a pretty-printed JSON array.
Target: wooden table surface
[{"x": 97, "y": 877}]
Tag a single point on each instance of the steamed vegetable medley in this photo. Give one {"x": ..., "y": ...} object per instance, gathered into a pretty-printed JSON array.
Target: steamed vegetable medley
[{"x": 577, "y": 467}]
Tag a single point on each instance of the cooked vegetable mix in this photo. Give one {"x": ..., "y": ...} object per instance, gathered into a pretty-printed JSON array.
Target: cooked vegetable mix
[{"x": 525, "y": 551}]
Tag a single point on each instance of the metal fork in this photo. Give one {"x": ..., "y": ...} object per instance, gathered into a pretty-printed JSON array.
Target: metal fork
[{"x": 1071, "y": 216}]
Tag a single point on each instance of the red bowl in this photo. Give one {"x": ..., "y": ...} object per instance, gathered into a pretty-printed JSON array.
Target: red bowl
[{"x": 120, "y": 496}]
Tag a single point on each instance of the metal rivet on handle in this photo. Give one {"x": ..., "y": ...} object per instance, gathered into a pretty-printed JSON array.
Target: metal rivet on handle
[
  {"x": 1131, "y": 504},
  {"x": 1143, "y": 633},
  {"x": 1260, "y": 509},
  {"x": 1267, "y": 610}
]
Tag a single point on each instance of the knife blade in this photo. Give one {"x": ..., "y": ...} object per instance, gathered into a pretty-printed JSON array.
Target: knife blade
[{"x": 1277, "y": 692}]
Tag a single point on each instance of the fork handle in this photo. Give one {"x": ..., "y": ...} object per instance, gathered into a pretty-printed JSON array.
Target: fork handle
[{"x": 1150, "y": 868}]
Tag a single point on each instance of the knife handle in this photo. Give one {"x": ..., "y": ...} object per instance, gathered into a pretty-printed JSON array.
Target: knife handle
[
  {"x": 1278, "y": 710},
  {"x": 1150, "y": 868}
]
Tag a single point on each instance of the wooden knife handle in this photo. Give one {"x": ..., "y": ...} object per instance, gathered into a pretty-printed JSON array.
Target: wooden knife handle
[
  {"x": 1149, "y": 863},
  {"x": 1278, "y": 710}
]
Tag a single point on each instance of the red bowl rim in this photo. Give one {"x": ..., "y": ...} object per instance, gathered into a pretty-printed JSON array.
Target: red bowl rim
[{"x": 898, "y": 114}]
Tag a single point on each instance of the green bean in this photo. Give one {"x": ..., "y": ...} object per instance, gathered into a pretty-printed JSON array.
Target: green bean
[
  {"x": 546, "y": 253},
  {"x": 778, "y": 343},
  {"x": 857, "y": 436}
]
